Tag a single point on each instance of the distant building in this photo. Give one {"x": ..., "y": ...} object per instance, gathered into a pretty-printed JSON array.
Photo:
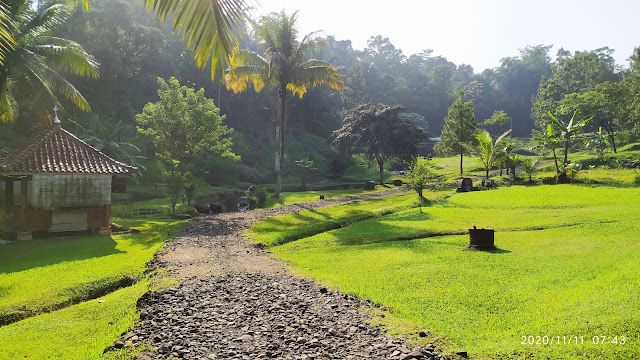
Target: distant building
[{"x": 59, "y": 183}]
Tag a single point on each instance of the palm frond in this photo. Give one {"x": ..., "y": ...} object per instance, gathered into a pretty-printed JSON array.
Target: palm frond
[
  {"x": 8, "y": 104},
  {"x": 313, "y": 73},
  {"x": 7, "y": 40},
  {"x": 207, "y": 25},
  {"x": 247, "y": 68},
  {"x": 54, "y": 83},
  {"x": 66, "y": 55}
]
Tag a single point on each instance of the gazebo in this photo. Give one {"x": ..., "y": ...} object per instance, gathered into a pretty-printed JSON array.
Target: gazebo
[{"x": 58, "y": 183}]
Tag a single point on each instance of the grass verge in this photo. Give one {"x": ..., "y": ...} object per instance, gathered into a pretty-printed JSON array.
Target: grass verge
[
  {"x": 44, "y": 275},
  {"x": 565, "y": 266}
]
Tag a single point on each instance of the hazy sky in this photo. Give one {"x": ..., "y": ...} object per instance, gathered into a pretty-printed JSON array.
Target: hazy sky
[{"x": 475, "y": 32}]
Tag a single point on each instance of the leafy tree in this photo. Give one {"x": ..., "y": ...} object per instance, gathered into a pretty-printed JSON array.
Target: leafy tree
[
  {"x": 35, "y": 64},
  {"x": 607, "y": 102},
  {"x": 286, "y": 66},
  {"x": 571, "y": 74},
  {"x": 420, "y": 177},
  {"x": 516, "y": 83},
  {"x": 380, "y": 132},
  {"x": 182, "y": 123},
  {"x": 306, "y": 169},
  {"x": 487, "y": 152},
  {"x": 459, "y": 129},
  {"x": 567, "y": 131},
  {"x": 631, "y": 83},
  {"x": 598, "y": 142},
  {"x": 498, "y": 118}
]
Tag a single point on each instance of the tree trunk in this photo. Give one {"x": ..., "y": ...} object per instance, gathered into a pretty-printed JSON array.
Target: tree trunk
[
  {"x": 461, "y": 159},
  {"x": 555, "y": 160},
  {"x": 487, "y": 173},
  {"x": 280, "y": 145},
  {"x": 567, "y": 145},
  {"x": 381, "y": 168},
  {"x": 612, "y": 139}
]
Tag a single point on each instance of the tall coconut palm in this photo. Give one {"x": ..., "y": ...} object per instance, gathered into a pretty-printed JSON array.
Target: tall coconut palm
[
  {"x": 285, "y": 65},
  {"x": 35, "y": 64}
]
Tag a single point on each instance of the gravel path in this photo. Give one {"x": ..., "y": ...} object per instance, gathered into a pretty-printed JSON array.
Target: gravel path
[{"x": 235, "y": 301}]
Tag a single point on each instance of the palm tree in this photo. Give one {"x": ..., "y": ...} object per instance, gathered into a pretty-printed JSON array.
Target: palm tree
[
  {"x": 207, "y": 26},
  {"x": 113, "y": 138},
  {"x": 285, "y": 65},
  {"x": 37, "y": 60},
  {"x": 487, "y": 149}
]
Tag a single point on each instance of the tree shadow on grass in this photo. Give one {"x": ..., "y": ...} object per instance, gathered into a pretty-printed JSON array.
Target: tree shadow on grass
[{"x": 25, "y": 255}]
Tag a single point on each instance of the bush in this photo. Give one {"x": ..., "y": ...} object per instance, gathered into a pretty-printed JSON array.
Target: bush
[{"x": 258, "y": 197}]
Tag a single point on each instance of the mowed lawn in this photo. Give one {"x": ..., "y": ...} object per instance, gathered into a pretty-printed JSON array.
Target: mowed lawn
[
  {"x": 566, "y": 265},
  {"x": 290, "y": 198},
  {"x": 41, "y": 275}
]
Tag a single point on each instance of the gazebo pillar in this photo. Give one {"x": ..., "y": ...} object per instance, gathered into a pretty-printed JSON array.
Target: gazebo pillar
[
  {"x": 24, "y": 233},
  {"x": 9, "y": 198}
]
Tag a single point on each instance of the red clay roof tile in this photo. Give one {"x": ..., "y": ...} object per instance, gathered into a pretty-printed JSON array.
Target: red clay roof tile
[{"x": 59, "y": 151}]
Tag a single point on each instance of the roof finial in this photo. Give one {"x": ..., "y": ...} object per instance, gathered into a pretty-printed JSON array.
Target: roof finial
[{"x": 56, "y": 120}]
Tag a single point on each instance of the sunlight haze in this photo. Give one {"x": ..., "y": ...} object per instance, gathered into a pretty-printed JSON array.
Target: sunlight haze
[{"x": 478, "y": 33}]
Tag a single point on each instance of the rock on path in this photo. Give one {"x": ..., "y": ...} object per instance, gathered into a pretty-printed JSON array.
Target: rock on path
[{"x": 237, "y": 302}]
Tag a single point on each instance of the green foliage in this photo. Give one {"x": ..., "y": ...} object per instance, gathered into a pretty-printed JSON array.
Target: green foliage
[
  {"x": 32, "y": 77},
  {"x": 258, "y": 197},
  {"x": 530, "y": 168},
  {"x": 421, "y": 177},
  {"x": 459, "y": 129},
  {"x": 182, "y": 124},
  {"x": 573, "y": 74},
  {"x": 380, "y": 132},
  {"x": 498, "y": 118},
  {"x": 566, "y": 131},
  {"x": 488, "y": 149},
  {"x": 206, "y": 25},
  {"x": 114, "y": 138},
  {"x": 286, "y": 66}
]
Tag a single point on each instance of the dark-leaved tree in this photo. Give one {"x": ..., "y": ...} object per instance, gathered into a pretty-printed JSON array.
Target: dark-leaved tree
[
  {"x": 459, "y": 130},
  {"x": 380, "y": 132}
]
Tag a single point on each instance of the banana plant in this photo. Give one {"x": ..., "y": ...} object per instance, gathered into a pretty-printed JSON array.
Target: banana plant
[{"x": 566, "y": 132}]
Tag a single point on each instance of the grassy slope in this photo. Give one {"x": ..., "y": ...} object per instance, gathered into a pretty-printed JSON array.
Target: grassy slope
[
  {"x": 290, "y": 198},
  {"x": 542, "y": 282},
  {"x": 43, "y": 274},
  {"x": 284, "y": 228},
  {"x": 80, "y": 331}
]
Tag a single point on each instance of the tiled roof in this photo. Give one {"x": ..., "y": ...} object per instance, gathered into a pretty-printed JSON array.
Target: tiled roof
[{"x": 58, "y": 151}]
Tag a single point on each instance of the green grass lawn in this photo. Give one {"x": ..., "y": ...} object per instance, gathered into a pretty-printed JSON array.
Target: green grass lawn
[
  {"x": 80, "y": 331},
  {"x": 566, "y": 265},
  {"x": 290, "y": 198},
  {"x": 42, "y": 275},
  {"x": 284, "y": 228}
]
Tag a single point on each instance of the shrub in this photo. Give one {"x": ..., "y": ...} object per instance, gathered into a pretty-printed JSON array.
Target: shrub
[{"x": 258, "y": 197}]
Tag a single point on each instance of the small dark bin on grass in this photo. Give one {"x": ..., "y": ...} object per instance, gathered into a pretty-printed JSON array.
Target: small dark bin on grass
[
  {"x": 482, "y": 239},
  {"x": 397, "y": 182},
  {"x": 321, "y": 197}
]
